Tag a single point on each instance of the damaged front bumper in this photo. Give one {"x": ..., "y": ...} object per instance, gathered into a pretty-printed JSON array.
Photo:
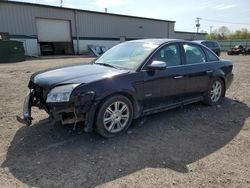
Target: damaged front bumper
[
  {"x": 27, "y": 109},
  {"x": 81, "y": 109}
]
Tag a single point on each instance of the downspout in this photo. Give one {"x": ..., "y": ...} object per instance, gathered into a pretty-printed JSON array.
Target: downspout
[{"x": 77, "y": 34}]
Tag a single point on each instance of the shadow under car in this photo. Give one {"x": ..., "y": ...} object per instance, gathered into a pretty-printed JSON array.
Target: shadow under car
[{"x": 46, "y": 155}]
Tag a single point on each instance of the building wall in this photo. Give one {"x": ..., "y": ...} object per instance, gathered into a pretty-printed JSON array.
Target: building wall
[
  {"x": 83, "y": 44},
  {"x": 110, "y": 26},
  {"x": 19, "y": 19},
  {"x": 190, "y": 35}
]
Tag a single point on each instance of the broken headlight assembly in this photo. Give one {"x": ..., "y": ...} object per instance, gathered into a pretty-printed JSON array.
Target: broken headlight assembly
[{"x": 60, "y": 93}]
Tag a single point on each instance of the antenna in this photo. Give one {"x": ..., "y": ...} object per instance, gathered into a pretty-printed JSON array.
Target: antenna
[
  {"x": 106, "y": 10},
  {"x": 61, "y": 3}
]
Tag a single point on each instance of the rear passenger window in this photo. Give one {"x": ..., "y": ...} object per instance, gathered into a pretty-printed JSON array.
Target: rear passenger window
[
  {"x": 212, "y": 44},
  {"x": 210, "y": 55},
  {"x": 169, "y": 54},
  {"x": 194, "y": 54}
]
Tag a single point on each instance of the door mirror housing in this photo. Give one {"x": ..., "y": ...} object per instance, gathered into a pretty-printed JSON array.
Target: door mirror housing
[{"x": 157, "y": 65}]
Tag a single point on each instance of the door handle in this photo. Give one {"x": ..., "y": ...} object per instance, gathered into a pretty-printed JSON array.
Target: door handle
[
  {"x": 209, "y": 71},
  {"x": 178, "y": 77}
]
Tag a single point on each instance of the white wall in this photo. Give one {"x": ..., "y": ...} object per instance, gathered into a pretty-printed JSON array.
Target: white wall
[
  {"x": 83, "y": 44},
  {"x": 31, "y": 46}
]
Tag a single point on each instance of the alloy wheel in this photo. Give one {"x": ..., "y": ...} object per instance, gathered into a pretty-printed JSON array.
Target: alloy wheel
[
  {"x": 216, "y": 91},
  {"x": 116, "y": 117}
]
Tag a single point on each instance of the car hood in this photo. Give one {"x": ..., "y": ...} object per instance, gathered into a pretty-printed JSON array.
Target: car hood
[{"x": 80, "y": 73}]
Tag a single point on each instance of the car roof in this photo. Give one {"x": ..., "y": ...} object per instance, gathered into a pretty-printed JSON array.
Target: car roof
[
  {"x": 157, "y": 41},
  {"x": 200, "y": 41}
]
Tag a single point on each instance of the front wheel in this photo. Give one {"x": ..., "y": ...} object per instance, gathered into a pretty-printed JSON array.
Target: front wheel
[
  {"x": 114, "y": 116},
  {"x": 215, "y": 93}
]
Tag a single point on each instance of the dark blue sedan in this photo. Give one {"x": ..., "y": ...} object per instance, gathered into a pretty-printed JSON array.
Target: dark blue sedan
[{"x": 130, "y": 80}]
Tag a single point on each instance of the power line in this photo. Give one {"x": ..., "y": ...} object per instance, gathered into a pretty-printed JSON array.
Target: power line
[{"x": 220, "y": 21}]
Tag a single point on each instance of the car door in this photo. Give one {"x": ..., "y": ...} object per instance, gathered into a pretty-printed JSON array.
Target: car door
[
  {"x": 197, "y": 70},
  {"x": 164, "y": 87}
]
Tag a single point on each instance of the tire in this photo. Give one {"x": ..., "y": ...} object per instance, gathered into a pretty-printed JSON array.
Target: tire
[
  {"x": 118, "y": 112},
  {"x": 214, "y": 96}
]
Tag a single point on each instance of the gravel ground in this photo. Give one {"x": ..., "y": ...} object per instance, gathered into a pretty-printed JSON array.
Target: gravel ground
[{"x": 193, "y": 146}]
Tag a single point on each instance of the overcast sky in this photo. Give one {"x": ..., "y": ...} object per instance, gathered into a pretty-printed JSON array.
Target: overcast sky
[{"x": 184, "y": 12}]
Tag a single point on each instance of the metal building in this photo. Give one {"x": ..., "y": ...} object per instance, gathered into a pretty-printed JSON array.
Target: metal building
[
  {"x": 190, "y": 35},
  {"x": 72, "y": 30}
]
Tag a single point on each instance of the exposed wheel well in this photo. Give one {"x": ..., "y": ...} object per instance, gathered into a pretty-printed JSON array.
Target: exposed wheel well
[{"x": 224, "y": 84}]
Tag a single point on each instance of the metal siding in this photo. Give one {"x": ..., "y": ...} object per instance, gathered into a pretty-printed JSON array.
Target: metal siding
[
  {"x": 171, "y": 30},
  {"x": 19, "y": 19},
  {"x": 95, "y": 25},
  {"x": 190, "y": 36}
]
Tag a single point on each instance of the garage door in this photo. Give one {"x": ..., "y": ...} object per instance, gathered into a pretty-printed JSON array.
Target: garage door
[{"x": 49, "y": 30}]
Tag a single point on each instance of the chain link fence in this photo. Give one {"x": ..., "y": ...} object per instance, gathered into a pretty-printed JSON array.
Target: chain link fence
[{"x": 227, "y": 44}]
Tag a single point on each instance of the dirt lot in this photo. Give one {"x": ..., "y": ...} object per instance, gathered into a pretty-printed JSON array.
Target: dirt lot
[{"x": 196, "y": 146}]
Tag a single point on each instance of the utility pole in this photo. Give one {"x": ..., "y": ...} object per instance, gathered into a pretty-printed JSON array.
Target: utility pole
[
  {"x": 61, "y": 3},
  {"x": 198, "y": 24},
  {"x": 211, "y": 28}
]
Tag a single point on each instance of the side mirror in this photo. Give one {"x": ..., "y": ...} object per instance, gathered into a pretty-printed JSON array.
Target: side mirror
[{"x": 157, "y": 65}]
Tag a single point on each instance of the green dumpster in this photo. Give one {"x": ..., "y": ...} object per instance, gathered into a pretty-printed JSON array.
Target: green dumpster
[{"x": 11, "y": 51}]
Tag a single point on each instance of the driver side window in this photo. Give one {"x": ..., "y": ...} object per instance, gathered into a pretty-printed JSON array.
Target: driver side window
[{"x": 170, "y": 54}]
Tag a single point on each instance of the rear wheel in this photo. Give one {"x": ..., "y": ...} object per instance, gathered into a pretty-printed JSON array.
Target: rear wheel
[
  {"x": 114, "y": 116},
  {"x": 216, "y": 92}
]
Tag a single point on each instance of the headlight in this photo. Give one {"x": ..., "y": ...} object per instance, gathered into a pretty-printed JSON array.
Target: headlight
[{"x": 61, "y": 93}]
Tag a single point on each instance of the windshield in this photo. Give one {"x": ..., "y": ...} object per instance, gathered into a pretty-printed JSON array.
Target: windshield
[{"x": 128, "y": 55}]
